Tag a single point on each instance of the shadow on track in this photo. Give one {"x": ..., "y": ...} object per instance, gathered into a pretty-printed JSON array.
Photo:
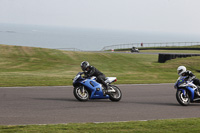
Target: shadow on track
[
  {"x": 151, "y": 103},
  {"x": 56, "y": 99},
  {"x": 163, "y": 104},
  {"x": 154, "y": 103},
  {"x": 74, "y": 100}
]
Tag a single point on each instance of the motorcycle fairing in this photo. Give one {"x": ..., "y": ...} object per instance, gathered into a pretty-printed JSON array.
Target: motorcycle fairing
[
  {"x": 95, "y": 89},
  {"x": 191, "y": 90},
  {"x": 182, "y": 83}
]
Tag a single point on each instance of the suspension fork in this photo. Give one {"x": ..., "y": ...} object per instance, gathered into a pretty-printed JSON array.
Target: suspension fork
[{"x": 82, "y": 89}]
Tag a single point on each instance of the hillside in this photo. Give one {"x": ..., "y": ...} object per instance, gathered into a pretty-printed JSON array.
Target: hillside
[{"x": 28, "y": 66}]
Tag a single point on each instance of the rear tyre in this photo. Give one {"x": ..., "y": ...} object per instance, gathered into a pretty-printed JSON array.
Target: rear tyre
[
  {"x": 183, "y": 99},
  {"x": 115, "y": 96},
  {"x": 81, "y": 94}
]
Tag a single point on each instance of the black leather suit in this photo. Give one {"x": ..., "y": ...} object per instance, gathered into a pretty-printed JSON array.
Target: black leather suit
[
  {"x": 95, "y": 72},
  {"x": 191, "y": 76}
]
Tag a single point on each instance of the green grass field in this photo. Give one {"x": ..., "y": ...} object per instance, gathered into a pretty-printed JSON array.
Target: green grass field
[
  {"x": 154, "y": 126},
  {"x": 27, "y": 66}
]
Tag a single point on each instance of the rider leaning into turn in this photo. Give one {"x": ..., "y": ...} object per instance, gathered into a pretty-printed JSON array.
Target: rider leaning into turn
[
  {"x": 90, "y": 71},
  {"x": 182, "y": 71}
]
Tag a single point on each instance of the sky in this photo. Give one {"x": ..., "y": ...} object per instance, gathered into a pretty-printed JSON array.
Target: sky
[{"x": 167, "y": 16}]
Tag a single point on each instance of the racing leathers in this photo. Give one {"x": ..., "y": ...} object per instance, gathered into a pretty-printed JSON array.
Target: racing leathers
[
  {"x": 192, "y": 77},
  {"x": 92, "y": 71}
]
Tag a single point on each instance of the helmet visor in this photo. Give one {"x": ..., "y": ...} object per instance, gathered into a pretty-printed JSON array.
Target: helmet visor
[
  {"x": 83, "y": 68},
  {"x": 179, "y": 71}
]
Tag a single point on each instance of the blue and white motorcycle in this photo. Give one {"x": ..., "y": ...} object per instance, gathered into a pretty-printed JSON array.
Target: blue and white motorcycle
[
  {"x": 187, "y": 91},
  {"x": 89, "y": 88}
]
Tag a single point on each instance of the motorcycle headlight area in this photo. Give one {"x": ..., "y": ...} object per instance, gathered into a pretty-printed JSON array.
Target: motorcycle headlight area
[
  {"x": 183, "y": 85},
  {"x": 76, "y": 77}
]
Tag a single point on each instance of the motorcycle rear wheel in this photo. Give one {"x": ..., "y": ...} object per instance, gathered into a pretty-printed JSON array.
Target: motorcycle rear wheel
[
  {"x": 183, "y": 100},
  {"x": 81, "y": 96},
  {"x": 117, "y": 95}
]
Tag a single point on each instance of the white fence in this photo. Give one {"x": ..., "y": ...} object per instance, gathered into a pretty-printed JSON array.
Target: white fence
[{"x": 165, "y": 44}]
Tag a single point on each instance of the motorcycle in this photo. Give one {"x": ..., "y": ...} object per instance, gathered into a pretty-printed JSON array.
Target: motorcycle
[
  {"x": 89, "y": 88},
  {"x": 186, "y": 91}
]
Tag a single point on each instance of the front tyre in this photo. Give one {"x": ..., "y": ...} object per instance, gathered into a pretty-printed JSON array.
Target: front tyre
[
  {"x": 183, "y": 99},
  {"x": 81, "y": 94},
  {"x": 117, "y": 95}
]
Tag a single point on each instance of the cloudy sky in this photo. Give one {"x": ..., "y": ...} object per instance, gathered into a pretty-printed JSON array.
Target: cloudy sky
[{"x": 172, "y": 16}]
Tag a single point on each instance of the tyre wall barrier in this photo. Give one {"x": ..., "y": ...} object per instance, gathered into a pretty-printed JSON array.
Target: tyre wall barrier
[{"x": 164, "y": 57}]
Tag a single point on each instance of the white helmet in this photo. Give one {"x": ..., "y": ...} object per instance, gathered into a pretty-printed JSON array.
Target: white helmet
[{"x": 181, "y": 70}]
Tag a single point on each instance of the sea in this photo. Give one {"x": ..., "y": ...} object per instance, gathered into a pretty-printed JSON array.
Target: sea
[{"x": 85, "y": 39}]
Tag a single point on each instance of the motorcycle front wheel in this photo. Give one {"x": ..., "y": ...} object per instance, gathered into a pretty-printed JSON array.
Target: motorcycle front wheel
[
  {"x": 183, "y": 99},
  {"x": 81, "y": 94},
  {"x": 117, "y": 95}
]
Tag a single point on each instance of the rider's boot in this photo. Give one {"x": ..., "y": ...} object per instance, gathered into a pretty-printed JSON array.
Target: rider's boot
[{"x": 110, "y": 89}]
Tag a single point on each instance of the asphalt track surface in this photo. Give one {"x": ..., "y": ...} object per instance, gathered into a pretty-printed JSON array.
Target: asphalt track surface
[{"x": 53, "y": 105}]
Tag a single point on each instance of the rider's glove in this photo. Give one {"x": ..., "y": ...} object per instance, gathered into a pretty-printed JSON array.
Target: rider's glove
[{"x": 175, "y": 87}]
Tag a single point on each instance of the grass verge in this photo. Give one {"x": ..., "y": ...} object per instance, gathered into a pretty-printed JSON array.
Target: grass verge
[
  {"x": 27, "y": 66},
  {"x": 175, "y": 125}
]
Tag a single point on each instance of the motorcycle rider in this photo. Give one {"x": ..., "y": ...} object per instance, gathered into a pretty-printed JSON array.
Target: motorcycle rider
[
  {"x": 182, "y": 71},
  {"x": 90, "y": 71}
]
